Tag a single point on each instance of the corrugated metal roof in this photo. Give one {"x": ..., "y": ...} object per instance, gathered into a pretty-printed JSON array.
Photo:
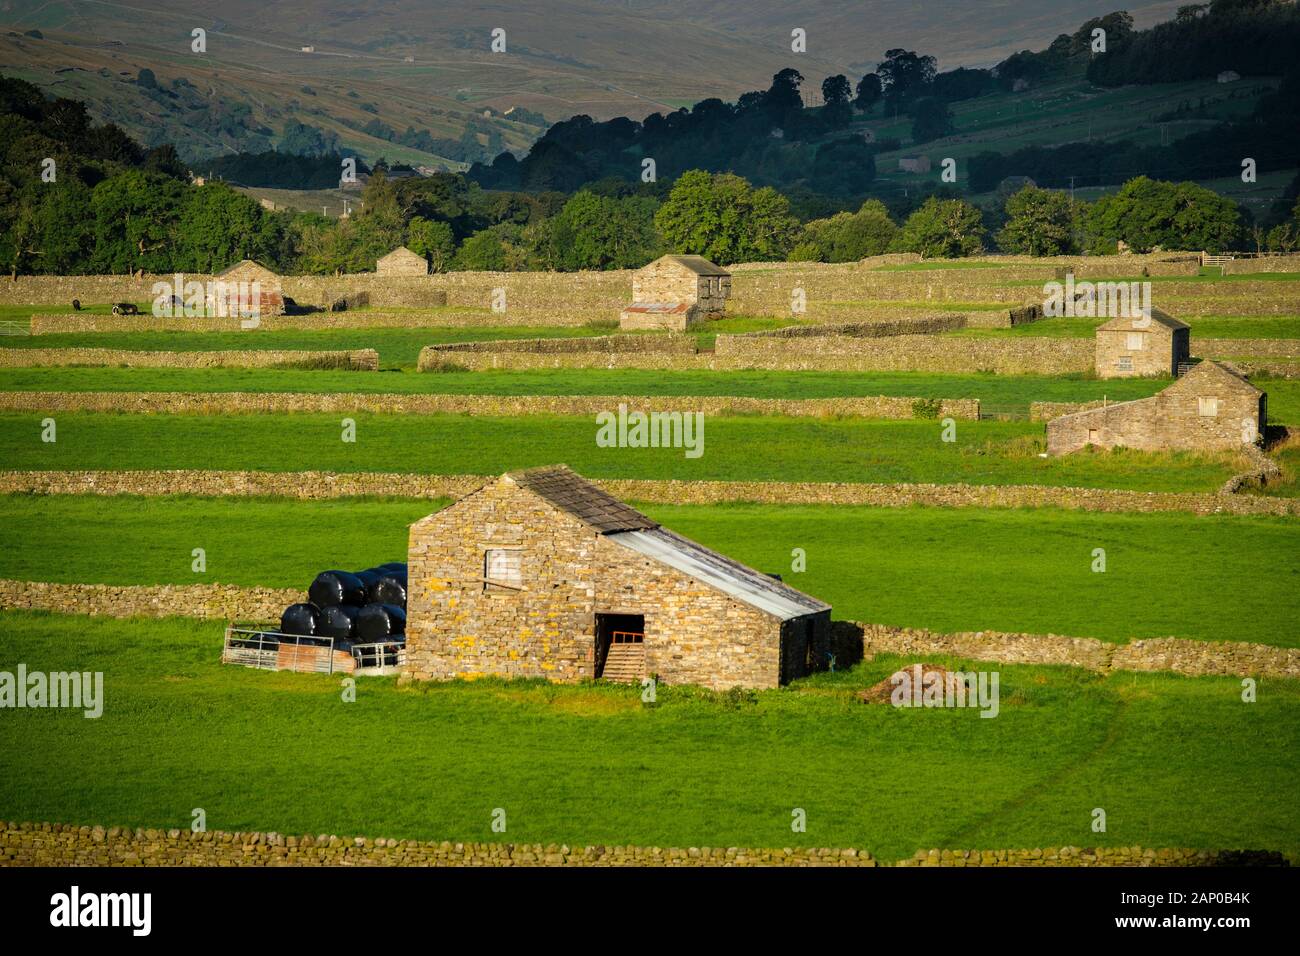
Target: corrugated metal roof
[
  {"x": 575, "y": 495},
  {"x": 754, "y": 588}
]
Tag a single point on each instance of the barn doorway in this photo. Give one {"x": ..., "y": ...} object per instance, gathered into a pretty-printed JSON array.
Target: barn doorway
[{"x": 620, "y": 647}]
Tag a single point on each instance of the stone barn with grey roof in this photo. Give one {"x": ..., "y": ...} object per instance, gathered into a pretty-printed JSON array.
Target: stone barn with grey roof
[
  {"x": 676, "y": 293},
  {"x": 1154, "y": 345},
  {"x": 539, "y": 573}
]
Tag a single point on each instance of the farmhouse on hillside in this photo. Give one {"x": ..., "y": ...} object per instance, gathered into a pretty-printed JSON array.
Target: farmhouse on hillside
[
  {"x": 402, "y": 262},
  {"x": 539, "y": 573},
  {"x": 1155, "y": 345},
  {"x": 1210, "y": 408},
  {"x": 252, "y": 289},
  {"x": 676, "y": 293}
]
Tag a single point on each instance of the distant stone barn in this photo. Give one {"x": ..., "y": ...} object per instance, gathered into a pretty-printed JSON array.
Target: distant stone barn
[
  {"x": 539, "y": 573},
  {"x": 1211, "y": 408},
  {"x": 677, "y": 293},
  {"x": 1130, "y": 347},
  {"x": 402, "y": 262},
  {"x": 250, "y": 289}
]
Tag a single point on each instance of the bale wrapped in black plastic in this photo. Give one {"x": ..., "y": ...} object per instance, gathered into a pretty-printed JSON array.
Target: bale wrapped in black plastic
[
  {"x": 389, "y": 589},
  {"x": 332, "y": 588},
  {"x": 338, "y": 622},
  {"x": 380, "y": 622},
  {"x": 393, "y": 566},
  {"x": 368, "y": 577},
  {"x": 300, "y": 619}
]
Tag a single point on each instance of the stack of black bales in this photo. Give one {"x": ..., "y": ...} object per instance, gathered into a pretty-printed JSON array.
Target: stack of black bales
[{"x": 362, "y": 607}]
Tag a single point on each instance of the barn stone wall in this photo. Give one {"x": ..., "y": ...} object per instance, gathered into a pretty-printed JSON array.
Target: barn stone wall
[
  {"x": 1159, "y": 351},
  {"x": 458, "y": 628},
  {"x": 1170, "y": 420},
  {"x": 667, "y": 281}
]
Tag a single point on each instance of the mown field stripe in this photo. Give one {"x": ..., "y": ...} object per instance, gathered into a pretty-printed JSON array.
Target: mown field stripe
[{"x": 315, "y": 485}]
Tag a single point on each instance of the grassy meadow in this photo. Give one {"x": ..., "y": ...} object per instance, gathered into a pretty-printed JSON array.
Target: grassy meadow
[
  {"x": 750, "y": 448},
  {"x": 397, "y": 347},
  {"x": 1026, "y": 570},
  {"x": 591, "y": 764}
]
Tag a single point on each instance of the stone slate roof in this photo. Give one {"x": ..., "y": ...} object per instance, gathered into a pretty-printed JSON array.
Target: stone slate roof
[
  {"x": 1206, "y": 374},
  {"x": 248, "y": 268},
  {"x": 574, "y": 495},
  {"x": 1125, "y": 322},
  {"x": 401, "y": 252},
  {"x": 697, "y": 264}
]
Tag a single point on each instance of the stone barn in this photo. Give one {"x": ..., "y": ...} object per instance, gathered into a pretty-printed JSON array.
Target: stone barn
[
  {"x": 251, "y": 289},
  {"x": 539, "y": 573},
  {"x": 402, "y": 262},
  {"x": 1128, "y": 347},
  {"x": 676, "y": 293},
  {"x": 1210, "y": 408}
]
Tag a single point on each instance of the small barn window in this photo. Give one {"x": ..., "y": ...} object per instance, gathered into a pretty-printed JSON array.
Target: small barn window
[
  {"x": 1135, "y": 341},
  {"x": 502, "y": 570},
  {"x": 1124, "y": 363},
  {"x": 1208, "y": 407},
  {"x": 1093, "y": 436}
]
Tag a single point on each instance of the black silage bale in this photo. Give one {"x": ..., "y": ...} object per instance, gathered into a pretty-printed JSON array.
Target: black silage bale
[
  {"x": 393, "y": 566},
  {"x": 389, "y": 589},
  {"x": 300, "y": 619},
  {"x": 369, "y": 576},
  {"x": 338, "y": 622},
  {"x": 380, "y": 622},
  {"x": 332, "y": 588}
]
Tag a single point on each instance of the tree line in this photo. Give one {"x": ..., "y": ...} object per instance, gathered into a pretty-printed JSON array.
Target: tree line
[{"x": 114, "y": 207}]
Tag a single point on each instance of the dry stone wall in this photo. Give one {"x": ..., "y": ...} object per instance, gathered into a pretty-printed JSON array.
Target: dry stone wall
[
  {"x": 1263, "y": 264},
  {"x": 919, "y": 353},
  {"x": 1182, "y": 656},
  {"x": 224, "y": 602},
  {"x": 281, "y": 403},
  {"x": 852, "y": 640},
  {"x": 1264, "y": 348},
  {"x": 852, "y": 353},
  {"x": 620, "y": 351},
  {"x": 318, "y": 485},
  {"x": 61, "y": 844},
  {"x": 366, "y": 360},
  {"x": 82, "y": 322},
  {"x": 922, "y": 325}
]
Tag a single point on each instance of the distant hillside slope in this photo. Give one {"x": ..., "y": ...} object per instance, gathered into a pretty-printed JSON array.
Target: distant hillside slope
[{"x": 564, "y": 57}]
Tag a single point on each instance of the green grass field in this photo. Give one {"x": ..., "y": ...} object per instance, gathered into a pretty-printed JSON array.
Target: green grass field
[
  {"x": 1000, "y": 390},
  {"x": 1173, "y": 761},
  {"x": 943, "y": 569},
  {"x": 754, "y": 448},
  {"x": 396, "y": 346},
  {"x": 1003, "y": 389}
]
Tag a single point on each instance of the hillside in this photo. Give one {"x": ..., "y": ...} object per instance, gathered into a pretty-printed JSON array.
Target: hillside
[{"x": 576, "y": 56}]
